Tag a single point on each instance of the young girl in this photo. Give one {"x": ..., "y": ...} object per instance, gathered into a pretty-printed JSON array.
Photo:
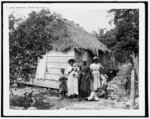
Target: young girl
[{"x": 63, "y": 83}]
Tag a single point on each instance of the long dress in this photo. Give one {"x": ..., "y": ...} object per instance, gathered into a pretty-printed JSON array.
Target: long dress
[
  {"x": 96, "y": 82},
  {"x": 84, "y": 84},
  {"x": 72, "y": 82}
]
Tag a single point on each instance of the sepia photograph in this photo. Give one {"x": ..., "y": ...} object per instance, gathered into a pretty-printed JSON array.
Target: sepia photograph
[{"x": 64, "y": 58}]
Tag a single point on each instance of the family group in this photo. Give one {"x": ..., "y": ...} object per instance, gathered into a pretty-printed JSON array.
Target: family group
[{"x": 82, "y": 81}]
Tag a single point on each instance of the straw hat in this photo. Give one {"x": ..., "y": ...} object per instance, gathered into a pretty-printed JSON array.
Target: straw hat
[
  {"x": 71, "y": 60},
  {"x": 95, "y": 58},
  {"x": 84, "y": 60}
]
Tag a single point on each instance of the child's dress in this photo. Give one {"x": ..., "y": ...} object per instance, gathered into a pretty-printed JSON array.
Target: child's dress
[{"x": 63, "y": 83}]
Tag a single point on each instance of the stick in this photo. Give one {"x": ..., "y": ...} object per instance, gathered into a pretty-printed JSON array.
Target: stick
[{"x": 132, "y": 92}]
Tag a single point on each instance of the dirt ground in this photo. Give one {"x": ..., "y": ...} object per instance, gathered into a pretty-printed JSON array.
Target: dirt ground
[{"x": 46, "y": 99}]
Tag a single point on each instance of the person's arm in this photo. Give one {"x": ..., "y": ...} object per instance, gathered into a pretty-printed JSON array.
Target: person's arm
[
  {"x": 101, "y": 66},
  {"x": 91, "y": 67},
  {"x": 78, "y": 69},
  {"x": 65, "y": 78},
  {"x": 90, "y": 72},
  {"x": 71, "y": 70},
  {"x": 60, "y": 78}
]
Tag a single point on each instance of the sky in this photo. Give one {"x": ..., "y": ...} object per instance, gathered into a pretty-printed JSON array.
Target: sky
[{"x": 89, "y": 17}]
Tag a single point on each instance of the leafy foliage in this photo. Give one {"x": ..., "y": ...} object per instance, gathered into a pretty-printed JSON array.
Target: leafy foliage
[
  {"x": 127, "y": 26},
  {"x": 30, "y": 40},
  {"x": 123, "y": 40}
]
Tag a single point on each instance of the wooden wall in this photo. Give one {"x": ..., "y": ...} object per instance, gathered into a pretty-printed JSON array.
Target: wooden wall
[{"x": 54, "y": 62}]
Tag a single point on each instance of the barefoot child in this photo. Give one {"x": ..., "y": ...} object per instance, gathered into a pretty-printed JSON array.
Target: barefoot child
[{"x": 63, "y": 83}]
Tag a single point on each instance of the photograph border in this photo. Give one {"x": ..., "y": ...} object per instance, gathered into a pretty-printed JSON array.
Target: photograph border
[{"x": 146, "y": 54}]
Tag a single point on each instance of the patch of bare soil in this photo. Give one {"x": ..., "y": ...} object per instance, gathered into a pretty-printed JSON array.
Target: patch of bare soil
[{"x": 51, "y": 100}]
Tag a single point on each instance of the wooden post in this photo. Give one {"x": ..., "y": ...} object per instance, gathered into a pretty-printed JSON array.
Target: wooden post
[
  {"x": 97, "y": 53},
  {"x": 132, "y": 91},
  {"x": 46, "y": 70},
  {"x": 11, "y": 92}
]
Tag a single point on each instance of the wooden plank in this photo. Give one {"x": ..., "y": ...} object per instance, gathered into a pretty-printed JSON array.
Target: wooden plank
[
  {"x": 57, "y": 65},
  {"x": 52, "y": 73},
  {"x": 44, "y": 83},
  {"x": 47, "y": 83},
  {"x": 53, "y": 68},
  {"x": 52, "y": 76},
  {"x": 55, "y": 71},
  {"x": 56, "y": 53},
  {"x": 58, "y": 59}
]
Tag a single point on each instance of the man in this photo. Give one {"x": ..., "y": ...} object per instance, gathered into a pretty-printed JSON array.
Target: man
[{"x": 101, "y": 92}]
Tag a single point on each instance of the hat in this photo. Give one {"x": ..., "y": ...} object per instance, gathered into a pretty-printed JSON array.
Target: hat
[
  {"x": 84, "y": 60},
  {"x": 95, "y": 58},
  {"x": 71, "y": 60}
]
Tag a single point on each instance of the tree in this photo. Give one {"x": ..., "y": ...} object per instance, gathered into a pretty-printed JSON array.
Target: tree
[
  {"x": 30, "y": 40},
  {"x": 108, "y": 38},
  {"x": 127, "y": 45},
  {"x": 123, "y": 40},
  {"x": 127, "y": 25}
]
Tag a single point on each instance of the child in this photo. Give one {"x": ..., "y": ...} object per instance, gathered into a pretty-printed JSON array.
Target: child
[
  {"x": 63, "y": 83},
  {"x": 75, "y": 70},
  {"x": 104, "y": 78}
]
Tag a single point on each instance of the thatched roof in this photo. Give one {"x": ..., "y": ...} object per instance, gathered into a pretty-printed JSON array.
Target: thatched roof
[{"x": 78, "y": 38}]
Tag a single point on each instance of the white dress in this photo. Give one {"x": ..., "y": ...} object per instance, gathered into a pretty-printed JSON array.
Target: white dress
[
  {"x": 72, "y": 83},
  {"x": 93, "y": 96},
  {"x": 96, "y": 82}
]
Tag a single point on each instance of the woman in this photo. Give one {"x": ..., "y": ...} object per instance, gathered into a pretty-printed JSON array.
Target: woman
[
  {"x": 72, "y": 79},
  {"x": 95, "y": 68},
  {"x": 84, "y": 86}
]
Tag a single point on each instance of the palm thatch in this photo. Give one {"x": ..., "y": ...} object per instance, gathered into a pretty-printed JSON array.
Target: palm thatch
[{"x": 78, "y": 38}]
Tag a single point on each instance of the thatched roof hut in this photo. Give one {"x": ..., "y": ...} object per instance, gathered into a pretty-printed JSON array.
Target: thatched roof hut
[
  {"x": 73, "y": 42},
  {"x": 76, "y": 37}
]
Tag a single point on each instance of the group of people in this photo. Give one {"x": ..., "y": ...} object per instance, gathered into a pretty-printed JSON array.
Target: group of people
[{"x": 81, "y": 81}]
